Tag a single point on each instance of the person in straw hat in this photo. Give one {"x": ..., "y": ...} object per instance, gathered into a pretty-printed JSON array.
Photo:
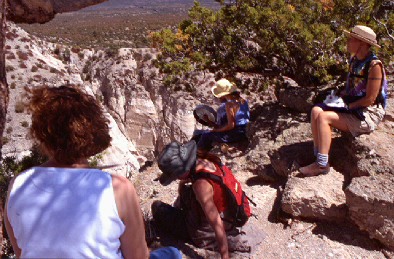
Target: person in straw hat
[
  {"x": 364, "y": 98},
  {"x": 232, "y": 117}
]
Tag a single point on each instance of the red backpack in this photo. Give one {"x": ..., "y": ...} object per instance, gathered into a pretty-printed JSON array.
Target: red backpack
[{"x": 237, "y": 201}]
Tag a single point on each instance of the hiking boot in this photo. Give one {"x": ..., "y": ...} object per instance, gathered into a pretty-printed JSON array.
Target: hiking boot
[{"x": 313, "y": 169}]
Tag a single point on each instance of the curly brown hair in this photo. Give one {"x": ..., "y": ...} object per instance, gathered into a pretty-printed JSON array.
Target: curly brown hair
[{"x": 68, "y": 123}]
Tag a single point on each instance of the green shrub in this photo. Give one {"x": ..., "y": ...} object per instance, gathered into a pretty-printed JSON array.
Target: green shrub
[
  {"x": 66, "y": 55},
  {"x": 86, "y": 67},
  {"x": 13, "y": 85},
  {"x": 10, "y": 167},
  {"x": 5, "y": 140},
  {"x": 303, "y": 40},
  {"x": 34, "y": 69},
  {"x": 11, "y": 56},
  {"x": 9, "y": 68},
  {"x": 22, "y": 55},
  {"x": 95, "y": 160},
  {"x": 19, "y": 107},
  {"x": 56, "y": 51},
  {"x": 24, "y": 124}
]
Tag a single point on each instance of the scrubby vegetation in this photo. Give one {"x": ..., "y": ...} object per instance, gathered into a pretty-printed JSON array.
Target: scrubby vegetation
[
  {"x": 19, "y": 107},
  {"x": 302, "y": 39},
  {"x": 105, "y": 30},
  {"x": 10, "y": 166}
]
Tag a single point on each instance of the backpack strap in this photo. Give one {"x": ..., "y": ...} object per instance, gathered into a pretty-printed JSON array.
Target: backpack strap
[
  {"x": 206, "y": 175},
  {"x": 379, "y": 99},
  {"x": 224, "y": 173}
]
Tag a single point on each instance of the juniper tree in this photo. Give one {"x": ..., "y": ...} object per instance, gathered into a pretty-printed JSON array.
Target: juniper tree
[{"x": 302, "y": 39}]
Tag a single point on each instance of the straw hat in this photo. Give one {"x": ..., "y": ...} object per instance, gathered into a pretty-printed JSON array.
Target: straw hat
[
  {"x": 223, "y": 87},
  {"x": 364, "y": 34}
]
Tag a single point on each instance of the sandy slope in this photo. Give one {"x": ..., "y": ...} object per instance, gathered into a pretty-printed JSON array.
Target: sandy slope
[{"x": 281, "y": 239}]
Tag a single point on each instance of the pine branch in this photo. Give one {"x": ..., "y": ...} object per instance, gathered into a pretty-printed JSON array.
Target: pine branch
[{"x": 385, "y": 27}]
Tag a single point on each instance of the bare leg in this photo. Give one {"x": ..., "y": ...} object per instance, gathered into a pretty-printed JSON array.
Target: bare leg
[
  {"x": 325, "y": 121},
  {"x": 314, "y": 116}
]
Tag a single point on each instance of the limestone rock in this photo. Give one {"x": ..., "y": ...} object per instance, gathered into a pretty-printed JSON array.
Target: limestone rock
[
  {"x": 320, "y": 197},
  {"x": 295, "y": 148},
  {"x": 41, "y": 11},
  {"x": 371, "y": 206},
  {"x": 374, "y": 153},
  {"x": 295, "y": 97}
]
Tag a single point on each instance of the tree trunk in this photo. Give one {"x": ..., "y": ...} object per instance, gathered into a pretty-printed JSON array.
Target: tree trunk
[{"x": 4, "y": 96}]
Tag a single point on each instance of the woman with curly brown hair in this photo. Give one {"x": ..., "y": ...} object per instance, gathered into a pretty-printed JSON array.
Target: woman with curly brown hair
[{"x": 63, "y": 208}]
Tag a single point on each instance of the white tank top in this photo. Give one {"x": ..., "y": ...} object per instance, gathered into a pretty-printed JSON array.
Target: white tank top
[{"x": 65, "y": 213}]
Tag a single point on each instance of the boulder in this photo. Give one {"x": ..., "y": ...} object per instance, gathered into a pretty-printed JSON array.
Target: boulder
[
  {"x": 320, "y": 197},
  {"x": 374, "y": 153},
  {"x": 271, "y": 128},
  {"x": 41, "y": 11},
  {"x": 294, "y": 148},
  {"x": 371, "y": 206},
  {"x": 295, "y": 97}
]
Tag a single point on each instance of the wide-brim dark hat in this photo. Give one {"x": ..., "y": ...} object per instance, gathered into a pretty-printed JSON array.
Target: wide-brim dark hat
[
  {"x": 175, "y": 160},
  {"x": 205, "y": 114}
]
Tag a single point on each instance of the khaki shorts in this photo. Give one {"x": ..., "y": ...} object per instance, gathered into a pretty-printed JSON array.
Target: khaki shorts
[{"x": 373, "y": 115}]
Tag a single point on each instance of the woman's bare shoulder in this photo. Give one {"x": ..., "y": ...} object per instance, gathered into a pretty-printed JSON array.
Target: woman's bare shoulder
[{"x": 205, "y": 164}]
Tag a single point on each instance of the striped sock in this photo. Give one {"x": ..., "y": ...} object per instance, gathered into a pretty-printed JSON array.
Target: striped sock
[{"x": 322, "y": 159}]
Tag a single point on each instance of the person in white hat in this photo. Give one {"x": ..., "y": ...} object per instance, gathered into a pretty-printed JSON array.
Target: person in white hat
[
  {"x": 365, "y": 99},
  {"x": 232, "y": 117}
]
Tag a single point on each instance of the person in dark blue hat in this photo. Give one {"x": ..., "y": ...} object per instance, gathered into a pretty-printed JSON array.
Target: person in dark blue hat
[{"x": 200, "y": 215}]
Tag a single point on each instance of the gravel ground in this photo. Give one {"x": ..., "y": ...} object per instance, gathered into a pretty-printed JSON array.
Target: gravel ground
[{"x": 282, "y": 237}]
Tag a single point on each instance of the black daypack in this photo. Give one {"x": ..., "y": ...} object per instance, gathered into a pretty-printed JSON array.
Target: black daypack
[{"x": 237, "y": 201}]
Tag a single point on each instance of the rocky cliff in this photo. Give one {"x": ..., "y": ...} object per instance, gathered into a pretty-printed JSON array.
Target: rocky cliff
[
  {"x": 145, "y": 115},
  {"x": 42, "y": 11}
]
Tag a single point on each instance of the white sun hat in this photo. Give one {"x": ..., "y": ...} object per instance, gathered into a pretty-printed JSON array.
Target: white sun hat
[
  {"x": 364, "y": 34},
  {"x": 223, "y": 87}
]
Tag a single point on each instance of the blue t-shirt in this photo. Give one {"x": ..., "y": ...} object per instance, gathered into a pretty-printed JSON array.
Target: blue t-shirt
[{"x": 241, "y": 118}]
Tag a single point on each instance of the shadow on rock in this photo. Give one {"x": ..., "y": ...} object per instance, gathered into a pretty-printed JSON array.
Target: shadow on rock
[
  {"x": 289, "y": 158},
  {"x": 346, "y": 234},
  {"x": 271, "y": 119},
  {"x": 277, "y": 215}
]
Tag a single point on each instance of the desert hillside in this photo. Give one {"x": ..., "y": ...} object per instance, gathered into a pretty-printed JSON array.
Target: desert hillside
[{"x": 348, "y": 213}]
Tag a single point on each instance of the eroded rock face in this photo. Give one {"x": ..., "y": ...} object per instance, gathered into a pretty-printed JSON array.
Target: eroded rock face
[
  {"x": 295, "y": 97},
  {"x": 319, "y": 197},
  {"x": 371, "y": 206},
  {"x": 374, "y": 153},
  {"x": 147, "y": 112},
  {"x": 41, "y": 11}
]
